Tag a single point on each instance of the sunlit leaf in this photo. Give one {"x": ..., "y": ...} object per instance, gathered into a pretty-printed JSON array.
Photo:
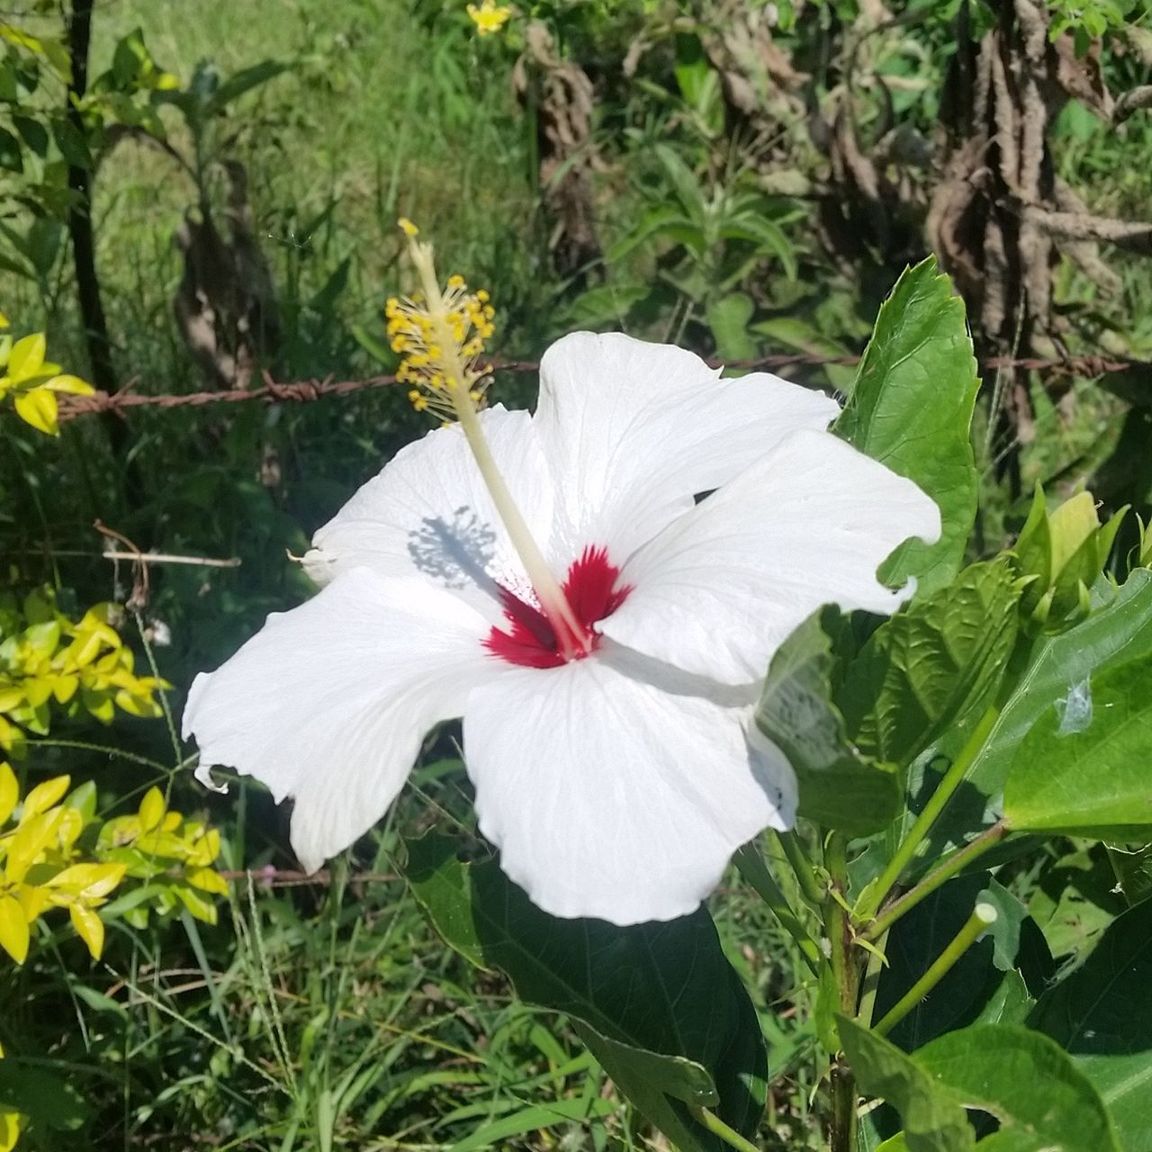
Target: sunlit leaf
[
  {"x": 14, "y": 934},
  {"x": 1024, "y": 1080},
  {"x": 911, "y": 408},
  {"x": 89, "y": 927},
  {"x": 9, "y": 791},
  {"x": 931, "y": 663},
  {"x": 38, "y": 408},
  {"x": 44, "y": 796},
  {"x": 1083, "y": 768},
  {"x": 933, "y": 1120}
]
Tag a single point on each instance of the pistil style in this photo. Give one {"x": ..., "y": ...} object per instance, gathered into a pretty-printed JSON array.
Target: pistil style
[{"x": 441, "y": 337}]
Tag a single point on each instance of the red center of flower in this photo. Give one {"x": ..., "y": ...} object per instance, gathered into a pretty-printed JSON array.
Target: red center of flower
[{"x": 531, "y": 638}]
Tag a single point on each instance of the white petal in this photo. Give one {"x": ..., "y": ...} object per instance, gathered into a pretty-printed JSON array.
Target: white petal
[
  {"x": 329, "y": 702},
  {"x": 429, "y": 514},
  {"x": 632, "y": 431},
  {"x": 610, "y": 796},
  {"x": 721, "y": 589}
]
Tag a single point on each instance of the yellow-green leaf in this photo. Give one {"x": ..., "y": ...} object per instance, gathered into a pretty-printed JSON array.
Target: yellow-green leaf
[
  {"x": 9, "y": 1130},
  {"x": 27, "y": 357},
  {"x": 89, "y": 927},
  {"x": 152, "y": 809},
  {"x": 14, "y": 935},
  {"x": 86, "y": 882},
  {"x": 38, "y": 408},
  {"x": 65, "y": 382},
  {"x": 201, "y": 908},
  {"x": 208, "y": 880},
  {"x": 43, "y": 796},
  {"x": 9, "y": 791}
]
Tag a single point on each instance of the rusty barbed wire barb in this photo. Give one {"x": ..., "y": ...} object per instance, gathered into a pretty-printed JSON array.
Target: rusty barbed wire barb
[{"x": 307, "y": 391}]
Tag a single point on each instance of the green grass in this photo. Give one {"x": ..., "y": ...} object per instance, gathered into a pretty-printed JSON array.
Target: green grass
[{"x": 329, "y": 1016}]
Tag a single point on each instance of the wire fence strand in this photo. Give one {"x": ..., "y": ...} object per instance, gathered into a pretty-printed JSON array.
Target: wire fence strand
[{"x": 306, "y": 391}]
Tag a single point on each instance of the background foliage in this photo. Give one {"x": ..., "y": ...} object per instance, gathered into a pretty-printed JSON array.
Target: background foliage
[{"x": 191, "y": 197}]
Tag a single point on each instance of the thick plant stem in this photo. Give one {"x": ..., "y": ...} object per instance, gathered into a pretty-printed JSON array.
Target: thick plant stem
[
  {"x": 923, "y": 824},
  {"x": 982, "y": 918},
  {"x": 846, "y": 971},
  {"x": 987, "y": 839}
]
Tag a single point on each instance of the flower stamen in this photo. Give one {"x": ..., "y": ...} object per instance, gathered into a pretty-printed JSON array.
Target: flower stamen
[{"x": 439, "y": 335}]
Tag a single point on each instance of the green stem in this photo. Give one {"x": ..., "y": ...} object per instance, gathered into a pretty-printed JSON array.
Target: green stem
[
  {"x": 923, "y": 824},
  {"x": 718, "y": 1128},
  {"x": 982, "y": 918},
  {"x": 987, "y": 839},
  {"x": 872, "y": 973},
  {"x": 846, "y": 971},
  {"x": 755, "y": 871},
  {"x": 810, "y": 887}
]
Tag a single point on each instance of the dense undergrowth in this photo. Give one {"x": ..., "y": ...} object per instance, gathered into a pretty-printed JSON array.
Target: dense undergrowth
[{"x": 742, "y": 179}]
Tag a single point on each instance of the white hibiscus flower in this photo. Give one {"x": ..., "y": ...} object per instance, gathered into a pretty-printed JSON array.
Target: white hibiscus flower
[{"x": 553, "y": 580}]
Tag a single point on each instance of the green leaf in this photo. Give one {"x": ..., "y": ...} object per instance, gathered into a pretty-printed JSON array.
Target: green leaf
[
  {"x": 1119, "y": 629},
  {"x": 70, "y": 140},
  {"x": 1102, "y": 1015},
  {"x": 653, "y": 225},
  {"x": 1027, "y": 1082},
  {"x": 658, "y": 1004},
  {"x": 838, "y": 787},
  {"x": 48, "y": 1101},
  {"x": 728, "y": 318},
  {"x": 684, "y": 183},
  {"x": 11, "y": 154},
  {"x": 1083, "y": 768},
  {"x": 1132, "y": 864},
  {"x": 933, "y": 1120},
  {"x": 240, "y": 82},
  {"x": 33, "y": 133},
  {"x": 928, "y": 665},
  {"x": 767, "y": 235},
  {"x": 911, "y": 408}
]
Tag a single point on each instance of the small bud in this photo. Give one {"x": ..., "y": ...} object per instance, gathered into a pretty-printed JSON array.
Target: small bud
[{"x": 1060, "y": 555}]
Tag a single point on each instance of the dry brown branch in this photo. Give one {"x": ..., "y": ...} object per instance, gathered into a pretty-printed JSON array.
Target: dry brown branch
[
  {"x": 1132, "y": 102},
  {"x": 1135, "y": 236}
]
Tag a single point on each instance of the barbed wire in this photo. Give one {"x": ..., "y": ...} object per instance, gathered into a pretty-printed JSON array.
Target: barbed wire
[{"x": 305, "y": 391}]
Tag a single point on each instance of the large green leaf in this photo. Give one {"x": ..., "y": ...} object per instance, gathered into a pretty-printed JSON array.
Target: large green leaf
[
  {"x": 1119, "y": 630},
  {"x": 911, "y": 408},
  {"x": 1041, "y": 1099},
  {"x": 838, "y": 787},
  {"x": 933, "y": 1120},
  {"x": 931, "y": 663},
  {"x": 1083, "y": 768},
  {"x": 49, "y": 1100},
  {"x": 658, "y": 1004},
  {"x": 1102, "y": 1015}
]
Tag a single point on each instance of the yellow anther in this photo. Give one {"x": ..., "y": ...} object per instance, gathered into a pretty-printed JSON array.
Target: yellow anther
[
  {"x": 439, "y": 334},
  {"x": 407, "y": 227}
]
